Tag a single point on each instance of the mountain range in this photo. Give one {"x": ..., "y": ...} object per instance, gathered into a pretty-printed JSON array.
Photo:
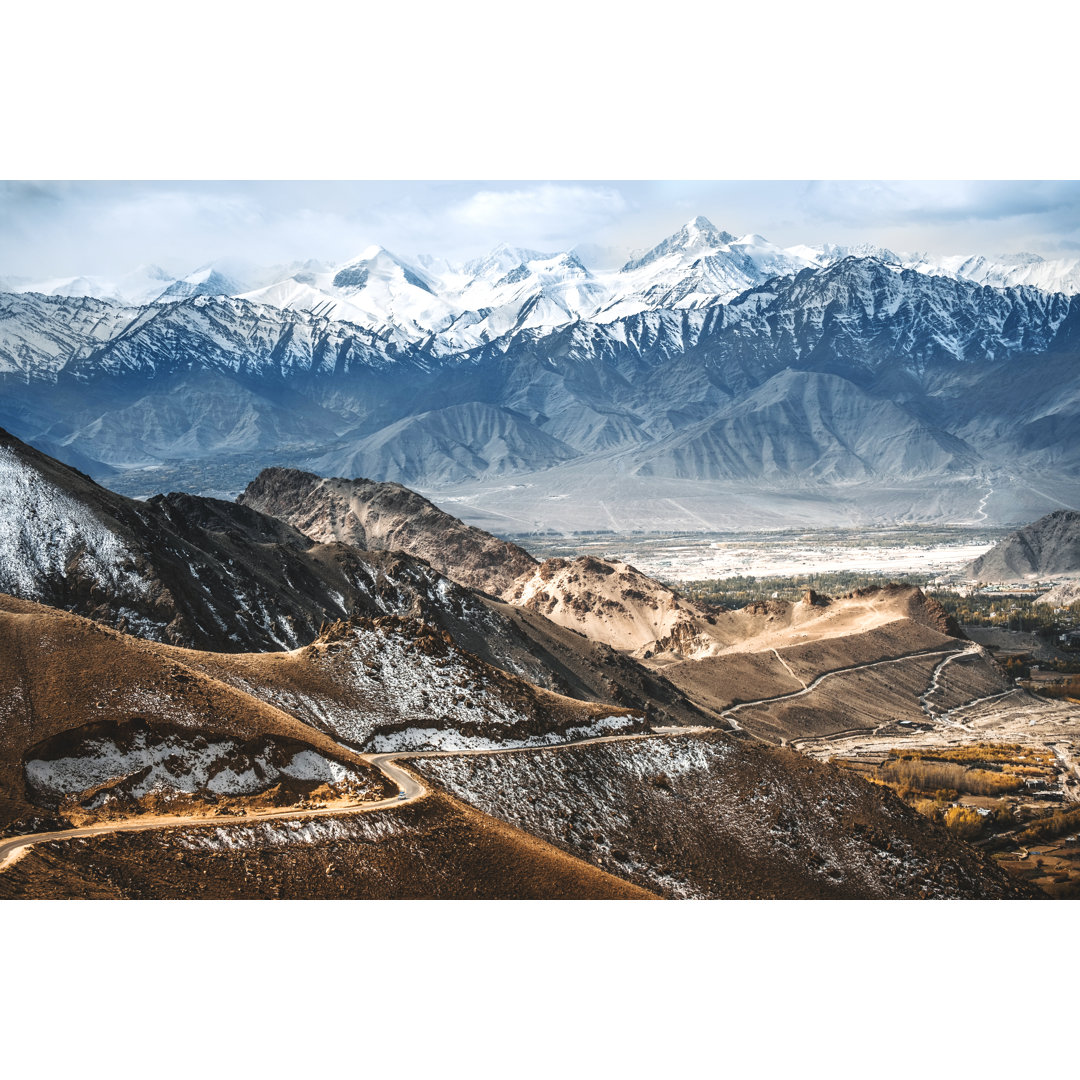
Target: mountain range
[
  {"x": 460, "y": 305},
  {"x": 714, "y": 381}
]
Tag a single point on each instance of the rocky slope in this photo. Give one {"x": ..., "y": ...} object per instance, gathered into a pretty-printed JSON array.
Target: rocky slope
[
  {"x": 1049, "y": 547},
  {"x": 387, "y": 517},
  {"x": 223, "y": 577},
  {"x": 198, "y": 572},
  {"x": 95, "y": 723},
  {"x": 399, "y": 684},
  {"x": 709, "y": 817},
  {"x": 612, "y": 602}
]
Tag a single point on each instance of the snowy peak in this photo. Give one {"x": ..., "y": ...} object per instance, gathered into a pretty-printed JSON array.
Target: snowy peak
[
  {"x": 376, "y": 264},
  {"x": 698, "y": 236},
  {"x": 449, "y": 308},
  {"x": 502, "y": 260},
  {"x": 828, "y": 254},
  {"x": 699, "y": 266},
  {"x": 206, "y": 281},
  {"x": 1002, "y": 272}
]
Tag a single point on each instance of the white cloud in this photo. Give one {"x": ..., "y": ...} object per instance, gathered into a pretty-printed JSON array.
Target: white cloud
[
  {"x": 547, "y": 213},
  {"x": 59, "y": 229}
]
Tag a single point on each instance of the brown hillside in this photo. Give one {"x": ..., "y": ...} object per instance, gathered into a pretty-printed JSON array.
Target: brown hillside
[
  {"x": 437, "y": 849},
  {"x": 72, "y": 690},
  {"x": 710, "y": 816}
]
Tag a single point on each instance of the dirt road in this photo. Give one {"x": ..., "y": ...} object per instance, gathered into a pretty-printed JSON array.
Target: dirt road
[
  {"x": 410, "y": 788},
  {"x": 729, "y": 713}
]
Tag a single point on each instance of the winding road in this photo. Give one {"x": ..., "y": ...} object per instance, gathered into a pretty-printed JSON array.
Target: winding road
[
  {"x": 727, "y": 714},
  {"x": 410, "y": 788}
]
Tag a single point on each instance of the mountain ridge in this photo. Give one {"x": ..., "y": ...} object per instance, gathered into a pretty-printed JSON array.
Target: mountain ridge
[
  {"x": 858, "y": 372},
  {"x": 1049, "y": 547}
]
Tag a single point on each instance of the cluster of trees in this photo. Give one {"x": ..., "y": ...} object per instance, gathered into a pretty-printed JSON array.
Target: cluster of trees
[
  {"x": 1008, "y": 612},
  {"x": 736, "y": 592}
]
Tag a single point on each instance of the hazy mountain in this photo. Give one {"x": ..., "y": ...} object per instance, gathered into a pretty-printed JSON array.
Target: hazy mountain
[{"x": 462, "y": 442}]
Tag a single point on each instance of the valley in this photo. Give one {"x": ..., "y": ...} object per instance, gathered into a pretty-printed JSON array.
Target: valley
[
  {"x": 887, "y": 552},
  {"x": 580, "y": 727},
  {"x": 737, "y": 571}
]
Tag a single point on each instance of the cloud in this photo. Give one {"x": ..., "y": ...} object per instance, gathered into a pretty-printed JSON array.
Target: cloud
[
  {"x": 547, "y": 213},
  {"x": 905, "y": 202},
  {"x": 105, "y": 228}
]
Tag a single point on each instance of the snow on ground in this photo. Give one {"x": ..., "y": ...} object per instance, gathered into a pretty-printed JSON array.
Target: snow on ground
[
  {"x": 181, "y": 765},
  {"x": 42, "y": 529},
  {"x": 369, "y": 828},
  {"x": 439, "y": 739},
  {"x": 436, "y": 699},
  {"x": 615, "y": 801}
]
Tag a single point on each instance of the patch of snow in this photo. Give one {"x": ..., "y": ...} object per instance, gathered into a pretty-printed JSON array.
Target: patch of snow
[
  {"x": 175, "y": 764},
  {"x": 368, "y": 828},
  {"x": 43, "y": 531}
]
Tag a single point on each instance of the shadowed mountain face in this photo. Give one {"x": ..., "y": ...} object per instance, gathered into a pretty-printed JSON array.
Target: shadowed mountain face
[
  {"x": 194, "y": 571},
  {"x": 1050, "y": 547}
]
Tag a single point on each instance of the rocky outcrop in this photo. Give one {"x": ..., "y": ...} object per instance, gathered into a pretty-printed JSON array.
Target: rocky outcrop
[{"x": 383, "y": 517}]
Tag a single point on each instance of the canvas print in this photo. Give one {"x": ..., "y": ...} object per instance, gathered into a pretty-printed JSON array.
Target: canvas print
[{"x": 539, "y": 540}]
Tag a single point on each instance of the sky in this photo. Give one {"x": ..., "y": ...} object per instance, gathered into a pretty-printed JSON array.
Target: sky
[{"x": 107, "y": 228}]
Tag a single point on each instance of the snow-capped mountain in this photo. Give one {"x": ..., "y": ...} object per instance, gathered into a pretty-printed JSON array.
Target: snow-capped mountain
[
  {"x": 455, "y": 308},
  {"x": 698, "y": 266},
  {"x": 376, "y": 290},
  {"x": 206, "y": 281},
  {"x": 852, "y": 372},
  {"x": 446, "y": 307},
  {"x": 1003, "y": 271},
  {"x": 452, "y": 308},
  {"x": 734, "y": 361}
]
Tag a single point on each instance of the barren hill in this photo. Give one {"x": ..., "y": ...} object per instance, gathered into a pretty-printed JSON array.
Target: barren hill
[
  {"x": 612, "y": 602},
  {"x": 436, "y": 849},
  {"x": 93, "y": 721},
  {"x": 386, "y": 516},
  {"x": 1049, "y": 547},
  {"x": 96, "y": 723},
  {"x": 399, "y": 684},
  {"x": 709, "y": 816}
]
